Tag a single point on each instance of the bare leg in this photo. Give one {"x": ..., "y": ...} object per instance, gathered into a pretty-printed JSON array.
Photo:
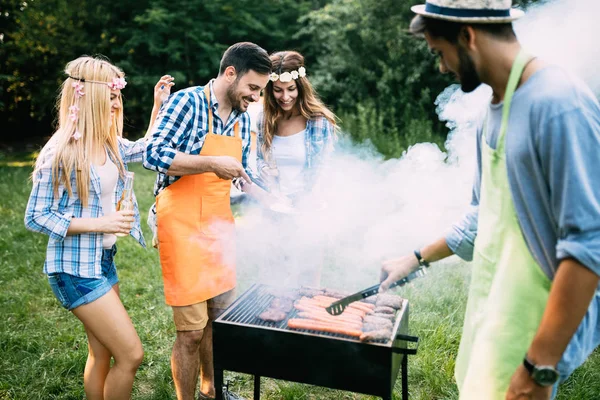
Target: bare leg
[
  {"x": 185, "y": 363},
  {"x": 207, "y": 371},
  {"x": 108, "y": 322},
  {"x": 96, "y": 368}
]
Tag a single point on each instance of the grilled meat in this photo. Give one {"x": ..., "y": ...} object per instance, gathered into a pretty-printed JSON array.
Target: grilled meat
[
  {"x": 384, "y": 310},
  {"x": 381, "y": 334},
  {"x": 379, "y": 321},
  {"x": 273, "y": 315},
  {"x": 283, "y": 304},
  {"x": 389, "y": 300},
  {"x": 372, "y": 326},
  {"x": 389, "y": 317}
]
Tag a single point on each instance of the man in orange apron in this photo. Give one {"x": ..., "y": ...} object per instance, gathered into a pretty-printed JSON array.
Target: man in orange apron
[
  {"x": 534, "y": 232},
  {"x": 200, "y": 142}
]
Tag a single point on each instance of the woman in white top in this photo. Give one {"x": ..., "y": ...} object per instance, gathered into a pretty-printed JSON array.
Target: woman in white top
[{"x": 296, "y": 132}]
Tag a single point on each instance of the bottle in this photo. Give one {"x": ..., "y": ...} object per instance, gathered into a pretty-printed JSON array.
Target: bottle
[{"x": 126, "y": 200}]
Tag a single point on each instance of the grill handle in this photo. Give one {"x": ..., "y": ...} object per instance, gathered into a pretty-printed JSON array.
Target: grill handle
[{"x": 406, "y": 338}]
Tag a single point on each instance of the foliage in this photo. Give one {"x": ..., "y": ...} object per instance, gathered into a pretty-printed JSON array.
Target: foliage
[
  {"x": 377, "y": 78},
  {"x": 147, "y": 38}
]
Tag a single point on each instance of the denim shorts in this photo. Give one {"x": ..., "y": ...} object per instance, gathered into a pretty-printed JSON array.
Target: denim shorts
[{"x": 74, "y": 291}]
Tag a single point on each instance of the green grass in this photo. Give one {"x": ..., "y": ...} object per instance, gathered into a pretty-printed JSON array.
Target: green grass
[{"x": 43, "y": 347}]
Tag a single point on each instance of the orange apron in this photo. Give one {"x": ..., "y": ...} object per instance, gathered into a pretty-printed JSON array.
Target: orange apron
[{"x": 196, "y": 231}]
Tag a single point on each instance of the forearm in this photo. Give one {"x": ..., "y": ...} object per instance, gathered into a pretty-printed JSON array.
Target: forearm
[
  {"x": 82, "y": 225},
  {"x": 571, "y": 293},
  {"x": 436, "y": 251},
  {"x": 187, "y": 164},
  {"x": 153, "y": 116}
]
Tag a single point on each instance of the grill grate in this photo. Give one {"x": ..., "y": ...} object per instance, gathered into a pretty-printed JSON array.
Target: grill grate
[{"x": 258, "y": 299}]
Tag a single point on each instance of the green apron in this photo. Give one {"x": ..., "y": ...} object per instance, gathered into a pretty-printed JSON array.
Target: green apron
[{"x": 508, "y": 290}]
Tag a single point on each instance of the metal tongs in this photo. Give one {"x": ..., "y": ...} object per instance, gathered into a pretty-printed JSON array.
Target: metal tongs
[{"x": 338, "y": 307}]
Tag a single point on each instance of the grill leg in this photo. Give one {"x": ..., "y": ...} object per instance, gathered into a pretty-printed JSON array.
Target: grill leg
[
  {"x": 218, "y": 384},
  {"x": 256, "y": 387},
  {"x": 405, "y": 377}
]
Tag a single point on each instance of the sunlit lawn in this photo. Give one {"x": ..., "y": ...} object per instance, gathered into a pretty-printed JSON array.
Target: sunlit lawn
[{"x": 43, "y": 347}]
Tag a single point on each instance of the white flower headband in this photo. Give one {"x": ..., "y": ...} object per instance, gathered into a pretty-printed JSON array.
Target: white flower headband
[
  {"x": 288, "y": 76},
  {"x": 116, "y": 83}
]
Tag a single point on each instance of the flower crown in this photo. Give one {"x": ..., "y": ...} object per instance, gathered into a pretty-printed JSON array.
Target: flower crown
[
  {"x": 288, "y": 76},
  {"x": 116, "y": 83}
]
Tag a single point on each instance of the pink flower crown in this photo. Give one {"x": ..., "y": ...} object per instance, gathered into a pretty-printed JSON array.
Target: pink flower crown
[{"x": 117, "y": 83}]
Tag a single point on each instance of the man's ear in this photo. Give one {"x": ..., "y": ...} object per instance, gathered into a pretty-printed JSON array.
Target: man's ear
[
  {"x": 230, "y": 74},
  {"x": 467, "y": 37}
]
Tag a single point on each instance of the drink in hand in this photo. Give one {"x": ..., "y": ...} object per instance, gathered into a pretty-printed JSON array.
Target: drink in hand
[{"x": 126, "y": 200}]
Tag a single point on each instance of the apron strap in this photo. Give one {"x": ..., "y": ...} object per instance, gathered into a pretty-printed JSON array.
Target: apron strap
[
  {"x": 513, "y": 81},
  {"x": 236, "y": 130},
  {"x": 210, "y": 114}
]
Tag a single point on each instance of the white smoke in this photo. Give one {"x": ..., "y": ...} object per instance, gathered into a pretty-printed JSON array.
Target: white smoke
[{"x": 377, "y": 209}]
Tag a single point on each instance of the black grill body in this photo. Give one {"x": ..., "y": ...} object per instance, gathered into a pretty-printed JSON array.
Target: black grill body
[{"x": 244, "y": 343}]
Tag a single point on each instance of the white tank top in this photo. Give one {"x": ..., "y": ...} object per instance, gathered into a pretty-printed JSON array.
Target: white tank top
[
  {"x": 289, "y": 153},
  {"x": 108, "y": 174}
]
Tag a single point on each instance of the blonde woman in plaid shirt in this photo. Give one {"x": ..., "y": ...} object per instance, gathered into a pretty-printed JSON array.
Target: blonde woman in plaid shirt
[{"x": 77, "y": 180}]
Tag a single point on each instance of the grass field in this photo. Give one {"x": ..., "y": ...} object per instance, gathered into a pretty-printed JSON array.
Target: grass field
[{"x": 43, "y": 347}]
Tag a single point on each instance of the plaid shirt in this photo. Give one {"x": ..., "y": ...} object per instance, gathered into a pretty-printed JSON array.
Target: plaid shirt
[
  {"x": 81, "y": 254},
  {"x": 319, "y": 142},
  {"x": 182, "y": 125}
]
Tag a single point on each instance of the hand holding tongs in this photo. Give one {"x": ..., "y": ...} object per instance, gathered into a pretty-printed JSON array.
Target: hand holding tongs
[{"x": 338, "y": 307}]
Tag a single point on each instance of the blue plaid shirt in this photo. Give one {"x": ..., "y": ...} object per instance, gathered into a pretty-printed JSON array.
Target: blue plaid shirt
[
  {"x": 319, "y": 143},
  {"x": 182, "y": 125},
  {"x": 78, "y": 255}
]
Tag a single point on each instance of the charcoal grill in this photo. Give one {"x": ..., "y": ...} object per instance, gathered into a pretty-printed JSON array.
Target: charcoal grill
[{"x": 244, "y": 343}]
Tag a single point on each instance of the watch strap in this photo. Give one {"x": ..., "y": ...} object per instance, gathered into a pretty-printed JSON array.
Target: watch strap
[
  {"x": 528, "y": 365},
  {"x": 420, "y": 259}
]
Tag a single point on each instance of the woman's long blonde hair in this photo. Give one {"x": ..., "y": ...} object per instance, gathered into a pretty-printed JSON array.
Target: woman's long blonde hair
[
  {"x": 72, "y": 154},
  {"x": 308, "y": 103}
]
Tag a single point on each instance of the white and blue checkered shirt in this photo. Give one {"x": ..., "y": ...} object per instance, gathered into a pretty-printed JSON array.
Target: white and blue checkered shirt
[
  {"x": 81, "y": 254},
  {"x": 182, "y": 125}
]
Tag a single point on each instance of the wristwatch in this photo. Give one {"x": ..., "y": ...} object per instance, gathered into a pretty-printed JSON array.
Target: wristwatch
[
  {"x": 543, "y": 375},
  {"x": 420, "y": 259}
]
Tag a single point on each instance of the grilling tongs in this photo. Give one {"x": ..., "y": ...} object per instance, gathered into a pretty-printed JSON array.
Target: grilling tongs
[{"x": 338, "y": 307}]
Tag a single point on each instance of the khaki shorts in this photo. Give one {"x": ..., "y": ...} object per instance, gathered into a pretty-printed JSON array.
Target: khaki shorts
[{"x": 195, "y": 316}]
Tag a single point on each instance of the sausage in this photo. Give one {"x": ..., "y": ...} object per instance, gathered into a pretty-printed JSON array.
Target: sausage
[
  {"x": 326, "y": 303},
  {"x": 358, "y": 305},
  {"x": 322, "y": 312},
  {"x": 322, "y": 304},
  {"x": 329, "y": 319},
  {"x": 299, "y": 323}
]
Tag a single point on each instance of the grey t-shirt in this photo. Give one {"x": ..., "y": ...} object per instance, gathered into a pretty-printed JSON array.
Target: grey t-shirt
[{"x": 553, "y": 162}]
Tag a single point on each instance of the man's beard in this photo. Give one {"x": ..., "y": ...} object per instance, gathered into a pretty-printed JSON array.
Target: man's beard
[
  {"x": 234, "y": 98},
  {"x": 469, "y": 79}
]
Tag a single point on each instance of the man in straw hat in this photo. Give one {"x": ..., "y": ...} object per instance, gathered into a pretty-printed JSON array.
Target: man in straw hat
[{"x": 532, "y": 312}]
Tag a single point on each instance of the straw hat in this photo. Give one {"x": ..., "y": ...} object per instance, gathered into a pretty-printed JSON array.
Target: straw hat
[{"x": 473, "y": 11}]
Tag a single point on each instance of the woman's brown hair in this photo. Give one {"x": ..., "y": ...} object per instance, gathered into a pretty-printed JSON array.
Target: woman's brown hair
[{"x": 308, "y": 103}]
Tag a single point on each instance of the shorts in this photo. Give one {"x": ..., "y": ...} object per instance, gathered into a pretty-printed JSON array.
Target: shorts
[
  {"x": 195, "y": 316},
  {"x": 74, "y": 291}
]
